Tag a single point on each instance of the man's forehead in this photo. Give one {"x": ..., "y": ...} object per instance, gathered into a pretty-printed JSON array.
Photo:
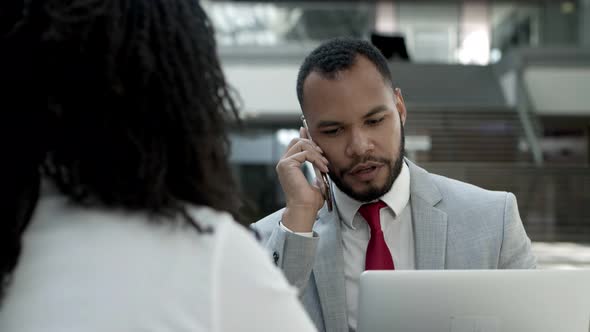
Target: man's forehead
[
  {"x": 362, "y": 69},
  {"x": 322, "y": 119},
  {"x": 317, "y": 76}
]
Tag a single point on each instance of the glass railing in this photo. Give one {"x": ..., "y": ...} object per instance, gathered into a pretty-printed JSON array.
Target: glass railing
[
  {"x": 434, "y": 32},
  {"x": 268, "y": 24}
]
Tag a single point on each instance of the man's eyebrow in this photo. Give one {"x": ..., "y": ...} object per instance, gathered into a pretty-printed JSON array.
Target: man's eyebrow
[
  {"x": 323, "y": 124},
  {"x": 375, "y": 110}
]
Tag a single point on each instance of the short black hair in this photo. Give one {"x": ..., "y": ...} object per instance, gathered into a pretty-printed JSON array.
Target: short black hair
[{"x": 339, "y": 54}]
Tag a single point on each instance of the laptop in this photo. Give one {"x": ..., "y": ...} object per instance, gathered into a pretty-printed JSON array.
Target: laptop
[{"x": 475, "y": 301}]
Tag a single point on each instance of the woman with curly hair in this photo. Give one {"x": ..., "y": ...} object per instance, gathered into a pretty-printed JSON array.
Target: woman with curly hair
[{"x": 119, "y": 202}]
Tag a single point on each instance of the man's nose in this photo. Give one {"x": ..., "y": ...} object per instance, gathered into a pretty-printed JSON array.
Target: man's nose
[{"x": 359, "y": 144}]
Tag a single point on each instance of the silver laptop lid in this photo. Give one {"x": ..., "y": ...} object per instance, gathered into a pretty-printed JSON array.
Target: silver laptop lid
[{"x": 475, "y": 300}]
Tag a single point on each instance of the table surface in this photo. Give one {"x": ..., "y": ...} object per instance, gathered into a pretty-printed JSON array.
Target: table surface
[{"x": 562, "y": 255}]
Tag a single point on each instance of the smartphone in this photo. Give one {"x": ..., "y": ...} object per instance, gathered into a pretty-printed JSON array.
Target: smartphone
[{"x": 325, "y": 187}]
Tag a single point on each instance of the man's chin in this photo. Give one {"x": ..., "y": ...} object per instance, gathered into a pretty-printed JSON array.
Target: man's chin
[{"x": 366, "y": 192}]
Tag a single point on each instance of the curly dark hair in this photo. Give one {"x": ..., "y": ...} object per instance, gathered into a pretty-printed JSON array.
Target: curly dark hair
[
  {"x": 336, "y": 55},
  {"x": 121, "y": 103}
]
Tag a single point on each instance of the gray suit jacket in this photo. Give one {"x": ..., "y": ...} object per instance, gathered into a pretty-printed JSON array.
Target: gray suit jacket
[{"x": 456, "y": 226}]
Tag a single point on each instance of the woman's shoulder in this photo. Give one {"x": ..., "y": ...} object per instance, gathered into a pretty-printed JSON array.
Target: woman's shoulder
[
  {"x": 237, "y": 249},
  {"x": 229, "y": 233},
  {"x": 208, "y": 218}
]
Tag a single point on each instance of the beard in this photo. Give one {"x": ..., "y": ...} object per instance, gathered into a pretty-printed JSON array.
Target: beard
[{"x": 374, "y": 191}]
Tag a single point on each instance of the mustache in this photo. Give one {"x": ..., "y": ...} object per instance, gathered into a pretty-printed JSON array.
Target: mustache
[{"x": 364, "y": 160}]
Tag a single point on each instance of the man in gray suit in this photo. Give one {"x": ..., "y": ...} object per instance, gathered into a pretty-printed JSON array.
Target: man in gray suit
[{"x": 388, "y": 213}]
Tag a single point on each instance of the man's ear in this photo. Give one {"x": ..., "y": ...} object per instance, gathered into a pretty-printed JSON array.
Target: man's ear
[{"x": 399, "y": 104}]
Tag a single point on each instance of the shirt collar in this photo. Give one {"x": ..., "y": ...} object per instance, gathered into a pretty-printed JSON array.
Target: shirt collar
[{"x": 396, "y": 198}]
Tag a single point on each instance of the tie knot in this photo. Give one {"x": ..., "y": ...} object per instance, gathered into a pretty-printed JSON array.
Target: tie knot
[{"x": 370, "y": 212}]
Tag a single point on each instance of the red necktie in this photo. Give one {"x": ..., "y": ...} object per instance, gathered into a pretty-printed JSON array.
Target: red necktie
[{"x": 378, "y": 256}]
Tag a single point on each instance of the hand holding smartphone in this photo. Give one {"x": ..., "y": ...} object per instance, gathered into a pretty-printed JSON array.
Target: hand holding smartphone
[{"x": 323, "y": 179}]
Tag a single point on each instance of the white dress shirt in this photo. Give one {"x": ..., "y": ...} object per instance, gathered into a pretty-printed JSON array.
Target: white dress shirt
[
  {"x": 396, "y": 224},
  {"x": 93, "y": 269}
]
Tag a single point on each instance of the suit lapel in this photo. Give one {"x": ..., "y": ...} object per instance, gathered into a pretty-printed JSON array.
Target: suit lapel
[
  {"x": 328, "y": 271},
  {"x": 430, "y": 237},
  {"x": 430, "y": 223}
]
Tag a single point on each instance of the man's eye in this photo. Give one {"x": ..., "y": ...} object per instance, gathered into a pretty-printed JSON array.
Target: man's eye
[
  {"x": 375, "y": 121},
  {"x": 331, "y": 132}
]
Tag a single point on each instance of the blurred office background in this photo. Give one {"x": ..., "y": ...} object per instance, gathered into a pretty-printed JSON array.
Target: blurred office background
[{"x": 498, "y": 95}]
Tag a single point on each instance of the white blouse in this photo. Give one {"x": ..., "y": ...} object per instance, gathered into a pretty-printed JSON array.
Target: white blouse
[{"x": 89, "y": 269}]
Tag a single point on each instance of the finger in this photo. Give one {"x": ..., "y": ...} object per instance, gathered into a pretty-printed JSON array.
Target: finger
[
  {"x": 313, "y": 157},
  {"x": 301, "y": 144},
  {"x": 295, "y": 141},
  {"x": 292, "y": 143},
  {"x": 303, "y": 133},
  {"x": 319, "y": 162},
  {"x": 321, "y": 166}
]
